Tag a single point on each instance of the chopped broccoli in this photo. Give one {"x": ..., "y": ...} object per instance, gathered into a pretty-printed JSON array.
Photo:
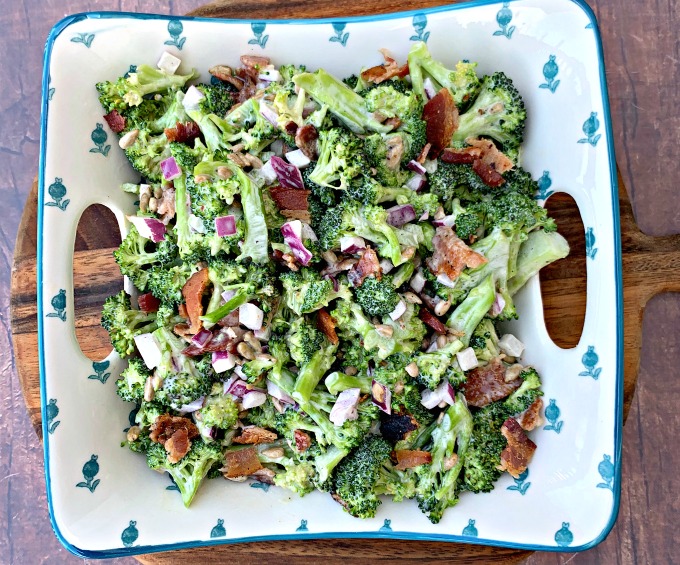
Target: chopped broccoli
[
  {"x": 219, "y": 410},
  {"x": 340, "y": 159},
  {"x": 305, "y": 291},
  {"x": 130, "y": 385},
  {"x": 124, "y": 323},
  {"x": 377, "y": 297},
  {"x": 484, "y": 341}
]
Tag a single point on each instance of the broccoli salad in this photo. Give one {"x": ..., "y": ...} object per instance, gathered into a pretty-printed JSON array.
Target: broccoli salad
[{"x": 320, "y": 266}]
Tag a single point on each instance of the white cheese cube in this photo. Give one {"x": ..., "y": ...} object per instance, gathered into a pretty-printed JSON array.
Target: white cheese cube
[
  {"x": 169, "y": 63},
  {"x": 510, "y": 345},
  {"x": 467, "y": 359}
]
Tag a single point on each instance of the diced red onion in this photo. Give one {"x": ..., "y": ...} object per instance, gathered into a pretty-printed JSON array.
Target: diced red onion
[
  {"x": 150, "y": 228},
  {"x": 289, "y": 175},
  {"x": 192, "y": 406},
  {"x": 270, "y": 75},
  {"x": 416, "y": 182},
  {"x": 168, "y": 63},
  {"x": 416, "y": 167},
  {"x": 207, "y": 433},
  {"x": 227, "y": 295},
  {"x": 386, "y": 265},
  {"x": 430, "y": 90},
  {"x": 292, "y": 236},
  {"x": 202, "y": 338},
  {"x": 250, "y": 316},
  {"x": 448, "y": 221},
  {"x": 269, "y": 114},
  {"x": 443, "y": 393},
  {"x": 352, "y": 244},
  {"x": 334, "y": 281},
  {"x": 298, "y": 158},
  {"x": 424, "y": 216},
  {"x": 253, "y": 398},
  {"x": 382, "y": 397},
  {"x": 345, "y": 407},
  {"x": 277, "y": 392},
  {"x": 398, "y": 311},
  {"x": 192, "y": 98},
  {"x": 196, "y": 224},
  {"x": 267, "y": 172},
  {"x": 170, "y": 169},
  {"x": 235, "y": 387},
  {"x": 225, "y": 225},
  {"x": 510, "y": 345},
  {"x": 223, "y": 361},
  {"x": 149, "y": 349},
  {"x": 417, "y": 281},
  {"x": 400, "y": 214},
  {"x": 444, "y": 279},
  {"x": 497, "y": 306}
]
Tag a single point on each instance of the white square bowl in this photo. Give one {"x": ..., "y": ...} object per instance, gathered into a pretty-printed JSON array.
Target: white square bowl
[{"x": 104, "y": 502}]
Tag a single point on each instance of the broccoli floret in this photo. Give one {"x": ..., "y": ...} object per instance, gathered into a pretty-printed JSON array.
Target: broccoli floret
[
  {"x": 336, "y": 382},
  {"x": 247, "y": 125},
  {"x": 354, "y": 355},
  {"x": 356, "y": 475},
  {"x": 462, "y": 82},
  {"x": 298, "y": 478},
  {"x": 497, "y": 112},
  {"x": 305, "y": 291},
  {"x": 314, "y": 354},
  {"x": 484, "y": 341},
  {"x": 451, "y": 181},
  {"x": 437, "y": 483},
  {"x": 391, "y": 103},
  {"x": 166, "y": 283},
  {"x": 123, "y": 323},
  {"x": 377, "y": 297},
  {"x": 219, "y": 410},
  {"x": 190, "y": 471},
  {"x": 434, "y": 366},
  {"x": 304, "y": 340},
  {"x": 130, "y": 385},
  {"x": 467, "y": 315},
  {"x": 146, "y": 153},
  {"x": 540, "y": 249},
  {"x": 340, "y": 159},
  {"x": 188, "y": 157},
  {"x": 149, "y": 412},
  {"x": 385, "y": 153},
  {"x": 367, "y": 190},
  {"x": 219, "y": 98}
]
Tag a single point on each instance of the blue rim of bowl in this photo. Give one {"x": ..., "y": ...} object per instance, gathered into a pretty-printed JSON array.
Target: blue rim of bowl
[{"x": 120, "y": 552}]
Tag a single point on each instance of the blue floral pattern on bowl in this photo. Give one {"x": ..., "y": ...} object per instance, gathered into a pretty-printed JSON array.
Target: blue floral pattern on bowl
[
  {"x": 52, "y": 411},
  {"x": 387, "y": 526},
  {"x": 218, "y": 530},
  {"x": 58, "y": 302},
  {"x": 340, "y": 35},
  {"x": 550, "y": 70},
  {"x": 57, "y": 191},
  {"x": 590, "y": 127},
  {"x": 99, "y": 138},
  {"x": 591, "y": 250},
  {"x": 521, "y": 485},
  {"x": 90, "y": 470},
  {"x": 470, "y": 530},
  {"x": 606, "y": 470},
  {"x": 419, "y": 24},
  {"x": 99, "y": 368},
  {"x": 85, "y": 38},
  {"x": 563, "y": 536},
  {"x": 175, "y": 29},
  {"x": 590, "y": 360},
  {"x": 552, "y": 415},
  {"x": 130, "y": 534},
  {"x": 544, "y": 184},
  {"x": 504, "y": 17},
  {"x": 262, "y": 486},
  {"x": 260, "y": 37},
  {"x": 302, "y": 527}
]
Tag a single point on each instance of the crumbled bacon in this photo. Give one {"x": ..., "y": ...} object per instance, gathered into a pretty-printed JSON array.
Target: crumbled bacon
[
  {"x": 451, "y": 255},
  {"x": 389, "y": 69},
  {"x": 148, "y": 302},
  {"x": 193, "y": 291},
  {"x": 305, "y": 140},
  {"x": 369, "y": 264},
  {"x": 424, "y": 153},
  {"x": 115, "y": 120},
  {"x": 255, "y": 435},
  {"x": 183, "y": 132},
  {"x": 326, "y": 324},
  {"x": 408, "y": 459},
  {"x": 254, "y": 62},
  {"x": 531, "y": 418},
  {"x": 241, "y": 463},
  {"x": 489, "y": 176},
  {"x": 431, "y": 320},
  {"x": 441, "y": 116},
  {"x": 465, "y": 156},
  {"x": 166, "y": 426},
  {"x": 177, "y": 446},
  {"x": 302, "y": 441},
  {"x": 486, "y": 384},
  {"x": 290, "y": 198},
  {"x": 182, "y": 310},
  {"x": 490, "y": 155},
  {"x": 520, "y": 449}
]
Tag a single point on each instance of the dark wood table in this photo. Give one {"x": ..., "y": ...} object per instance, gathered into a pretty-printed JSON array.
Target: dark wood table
[{"x": 642, "y": 73}]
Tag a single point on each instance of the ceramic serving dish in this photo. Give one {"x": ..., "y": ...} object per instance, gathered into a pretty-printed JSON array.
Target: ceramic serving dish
[{"x": 104, "y": 502}]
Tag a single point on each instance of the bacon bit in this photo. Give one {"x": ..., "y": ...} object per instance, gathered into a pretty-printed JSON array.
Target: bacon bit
[
  {"x": 465, "y": 156},
  {"x": 423, "y": 154},
  {"x": 241, "y": 463},
  {"x": 290, "y": 198},
  {"x": 486, "y": 384},
  {"x": 177, "y": 446},
  {"x": 182, "y": 310},
  {"x": 226, "y": 74},
  {"x": 369, "y": 264},
  {"x": 386, "y": 71},
  {"x": 516, "y": 456},
  {"x": 489, "y": 176},
  {"x": 254, "y": 62},
  {"x": 249, "y": 88},
  {"x": 490, "y": 154},
  {"x": 394, "y": 122},
  {"x": 441, "y": 115},
  {"x": 182, "y": 330},
  {"x": 290, "y": 127},
  {"x": 395, "y": 427},
  {"x": 148, "y": 302},
  {"x": 166, "y": 426},
  {"x": 326, "y": 324},
  {"x": 305, "y": 140},
  {"x": 408, "y": 459},
  {"x": 115, "y": 120},
  {"x": 451, "y": 255},
  {"x": 302, "y": 215},
  {"x": 255, "y": 435},
  {"x": 193, "y": 291},
  {"x": 302, "y": 441},
  {"x": 183, "y": 132},
  {"x": 431, "y": 320},
  {"x": 531, "y": 418}
]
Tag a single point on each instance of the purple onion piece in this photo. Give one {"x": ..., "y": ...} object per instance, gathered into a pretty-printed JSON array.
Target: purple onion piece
[
  {"x": 416, "y": 167},
  {"x": 223, "y": 361},
  {"x": 253, "y": 398},
  {"x": 289, "y": 175},
  {"x": 430, "y": 90},
  {"x": 150, "y": 228},
  {"x": 269, "y": 114},
  {"x": 400, "y": 215},
  {"x": 417, "y": 282},
  {"x": 277, "y": 392},
  {"x": 352, "y": 244},
  {"x": 236, "y": 387},
  {"x": 202, "y": 338},
  {"x": 170, "y": 169},
  {"x": 291, "y": 232},
  {"x": 382, "y": 397},
  {"x": 497, "y": 306},
  {"x": 448, "y": 221},
  {"x": 345, "y": 407},
  {"x": 192, "y": 406},
  {"x": 416, "y": 182},
  {"x": 298, "y": 158},
  {"x": 225, "y": 225}
]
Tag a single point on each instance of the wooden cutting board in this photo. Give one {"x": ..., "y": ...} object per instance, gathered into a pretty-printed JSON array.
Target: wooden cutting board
[{"x": 650, "y": 266}]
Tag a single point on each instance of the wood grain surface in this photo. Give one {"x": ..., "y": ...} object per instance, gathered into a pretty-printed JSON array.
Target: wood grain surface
[{"x": 641, "y": 50}]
